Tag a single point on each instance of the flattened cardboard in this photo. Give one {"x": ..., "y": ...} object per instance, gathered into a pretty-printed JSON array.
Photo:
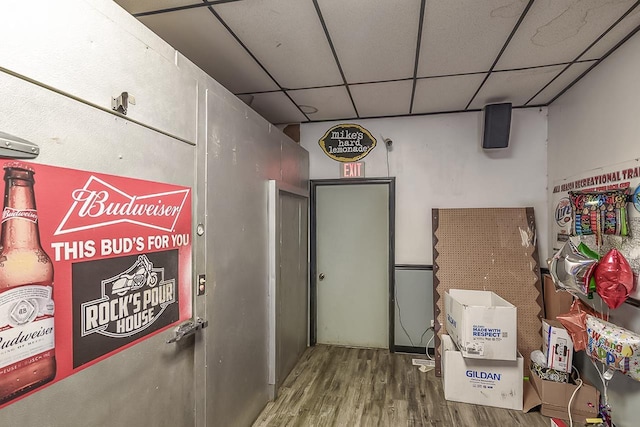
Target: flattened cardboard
[
  {"x": 491, "y": 249},
  {"x": 555, "y": 302}
]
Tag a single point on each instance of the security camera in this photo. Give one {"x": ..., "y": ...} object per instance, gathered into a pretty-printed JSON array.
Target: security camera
[{"x": 388, "y": 142}]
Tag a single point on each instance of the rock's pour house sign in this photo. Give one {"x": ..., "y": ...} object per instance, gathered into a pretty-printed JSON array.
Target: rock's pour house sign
[{"x": 347, "y": 142}]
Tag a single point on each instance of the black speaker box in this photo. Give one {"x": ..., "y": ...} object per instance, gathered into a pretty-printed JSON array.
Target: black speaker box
[{"x": 497, "y": 125}]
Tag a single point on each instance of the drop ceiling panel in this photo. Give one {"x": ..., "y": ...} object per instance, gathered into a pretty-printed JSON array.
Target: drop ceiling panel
[
  {"x": 276, "y": 107},
  {"x": 373, "y": 43},
  {"x": 138, "y": 6},
  {"x": 440, "y": 94},
  {"x": 619, "y": 32},
  {"x": 287, "y": 38},
  {"x": 516, "y": 87},
  {"x": 199, "y": 36},
  {"x": 564, "y": 80},
  {"x": 555, "y": 31},
  {"x": 459, "y": 36},
  {"x": 382, "y": 99},
  {"x": 331, "y": 102}
]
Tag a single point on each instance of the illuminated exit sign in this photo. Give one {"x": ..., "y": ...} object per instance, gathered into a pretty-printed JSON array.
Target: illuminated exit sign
[{"x": 352, "y": 170}]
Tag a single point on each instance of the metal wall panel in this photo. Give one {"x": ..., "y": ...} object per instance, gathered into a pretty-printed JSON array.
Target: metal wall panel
[
  {"x": 292, "y": 284},
  {"x": 244, "y": 153},
  {"x": 218, "y": 378},
  {"x": 94, "y": 50}
]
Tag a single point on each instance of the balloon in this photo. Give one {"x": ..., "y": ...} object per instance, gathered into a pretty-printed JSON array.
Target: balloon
[
  {"x": 614, "y": 278},
  {"x": 570, "y": 269},
  {"x": 575, "y": 323},
  {"x": 586, "y": 250},
  {"x": 614, "y": 346}
]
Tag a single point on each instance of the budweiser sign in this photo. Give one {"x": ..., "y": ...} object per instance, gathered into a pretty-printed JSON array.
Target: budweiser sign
[{"x": 98, "y": 204}]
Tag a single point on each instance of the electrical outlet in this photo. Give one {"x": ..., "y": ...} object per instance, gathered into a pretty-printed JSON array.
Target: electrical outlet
[{"x": 432, "y": 323}]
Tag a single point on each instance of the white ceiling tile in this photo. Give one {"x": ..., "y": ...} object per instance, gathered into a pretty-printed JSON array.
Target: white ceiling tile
[
  {"x": 557, "y": 31},
  {"x": 620, "y": 31},
  {"x": 374, "y": 40},
  {"x": 200, "y": 37},
  {"x": 331, "y": 102},
  {"x": 516, "y": 87},
  {"x": 460, "y": 36},
  {"x": 382, "y": 99},
  {"x": 287, "y": 38},
  {"x": 138, "y": 6},
  {"x": 276, "y": 107},
  {"x": 439, "y": 94},
  {"x": 565, "y": 79}
]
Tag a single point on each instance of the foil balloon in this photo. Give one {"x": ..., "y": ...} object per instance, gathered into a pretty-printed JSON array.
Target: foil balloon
[
  {"x": 586, "y": 250},
  {"x": 571, "y": 269},
  {"x": 575, "y": 323},
  {"x": 614, "y": 346},
  {"x": 614, "y": 279}
]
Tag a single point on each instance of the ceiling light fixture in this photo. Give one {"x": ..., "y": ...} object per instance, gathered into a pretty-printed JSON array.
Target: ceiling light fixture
[{"x": 308, "y": 109}]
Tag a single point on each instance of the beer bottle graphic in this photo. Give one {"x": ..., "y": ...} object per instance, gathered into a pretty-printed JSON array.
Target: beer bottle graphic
[{"x": 27, "y": 344}]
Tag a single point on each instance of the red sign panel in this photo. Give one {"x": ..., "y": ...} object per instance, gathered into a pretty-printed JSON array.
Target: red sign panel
[{"x": 90, "y": 264}]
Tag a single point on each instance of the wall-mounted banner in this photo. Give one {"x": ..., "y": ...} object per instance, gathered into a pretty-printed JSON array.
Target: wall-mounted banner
[
  {"x": 610, "y": 216},
  {"x": 103, "y": 263},
  {"x": 347, "y": 142}
]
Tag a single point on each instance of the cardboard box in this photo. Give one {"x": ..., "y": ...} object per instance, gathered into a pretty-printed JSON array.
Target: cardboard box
[
  {"x": 483, "y": 382},
  {"x": 483, "y": 325},
  {"x": 557, "y": 345},
  {"x": 555, "y": 303},
  {"x": 554, "y": 398}
]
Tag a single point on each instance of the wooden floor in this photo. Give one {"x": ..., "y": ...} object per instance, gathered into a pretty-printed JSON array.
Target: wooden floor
[{"x": 337, "y": 386}]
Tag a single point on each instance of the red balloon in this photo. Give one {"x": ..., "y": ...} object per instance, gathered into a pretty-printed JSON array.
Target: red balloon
[{"x": 614, "y": 279}]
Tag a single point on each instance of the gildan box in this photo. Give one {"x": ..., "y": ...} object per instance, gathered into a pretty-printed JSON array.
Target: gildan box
[
  {"x": 482, "y": 324},
  {"x": 557, "y": 345},
  {"x": 480, "y": 381},
  {"x": 555, "y": 399}
]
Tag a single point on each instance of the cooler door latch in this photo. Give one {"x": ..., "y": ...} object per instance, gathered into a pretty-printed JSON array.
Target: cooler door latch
[{"x": 188, "y": 328}]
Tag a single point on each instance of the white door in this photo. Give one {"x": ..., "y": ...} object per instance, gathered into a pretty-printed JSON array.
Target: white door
[{"x": 352, "y": 264}]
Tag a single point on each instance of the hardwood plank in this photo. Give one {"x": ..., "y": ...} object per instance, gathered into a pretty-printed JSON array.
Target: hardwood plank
[{"x": 345, "y": 387}]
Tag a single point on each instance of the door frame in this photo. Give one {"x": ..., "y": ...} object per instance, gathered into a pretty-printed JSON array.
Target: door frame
[
  {"x": 313, "y": 297},
  {"x": 276, "y": 189}
]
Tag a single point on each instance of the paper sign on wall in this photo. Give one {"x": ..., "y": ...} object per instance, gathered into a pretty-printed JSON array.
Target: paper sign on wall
[{"x": 110, "y": 266}]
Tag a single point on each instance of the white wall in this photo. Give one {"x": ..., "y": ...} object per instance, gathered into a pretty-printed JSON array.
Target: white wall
[
  {"x": 438, "y": 162},
  {"x": 596, "y": 124}
]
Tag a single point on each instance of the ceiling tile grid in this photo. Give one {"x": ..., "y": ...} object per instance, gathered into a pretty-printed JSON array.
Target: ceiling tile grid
[
  {"x": 313, "y": 60},
  {"x": 465, "y": 37},
  {"x": 332, "y": 103},
  {"x": 199, "y": 36},
  {"x": 287, "y": 39},
  {"x": 558, "y": 31},
  {"x": 374, "y": 40},
  {"x": 445, "y": 94},
  {"x": 382, "y": 99}
]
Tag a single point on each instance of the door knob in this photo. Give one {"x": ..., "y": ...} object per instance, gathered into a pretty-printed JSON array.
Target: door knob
[{"x": 321, "y": 276}]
